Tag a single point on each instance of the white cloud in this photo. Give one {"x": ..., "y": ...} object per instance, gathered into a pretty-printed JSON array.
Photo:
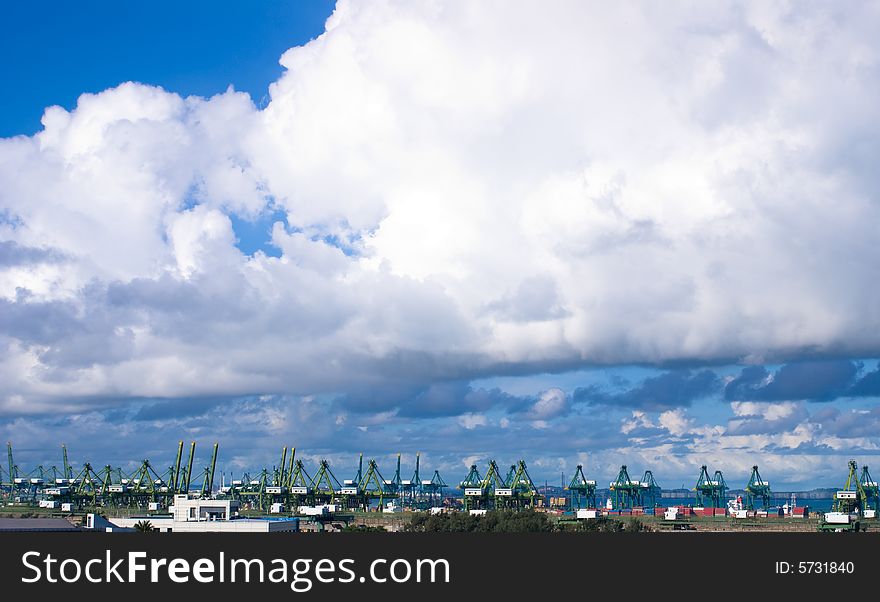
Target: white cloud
[
  {"x": 671, "y": 183},
  {"x": 471, "y": 421},
  {"x": 551, "y": 403},
  {"x": 766, "y": 410},
  {"x": 676, "y": 422}
]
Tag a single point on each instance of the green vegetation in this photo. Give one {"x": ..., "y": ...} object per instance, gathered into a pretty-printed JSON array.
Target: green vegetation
[{"x": 144, "y": 526}]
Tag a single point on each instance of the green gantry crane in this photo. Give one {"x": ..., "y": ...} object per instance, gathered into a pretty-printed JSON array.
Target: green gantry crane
[
  {"x": 324, "y": 485},
  {"x": 145, "y": 486},
  {"x": 522, "y": 488},
  {"x": 494, "y": 486},
  {"x": 253, "y": 491},
  {"x": 88, "y": 488},
  {"x": 872, "y": 493},
  {"x": 583, "y": 490},
  {"x": 851, "y": 499},
  {"x": 711, "y": 492},
  {"x": 651, "y": 491},
  {"x": 434, "y": 489},
  {"x": 472, "y": 487},
  {"x": 626, "y": 493},
  {"x": 849, "y": 504},
  {"x": 757, "y": 489},
  {"x": 351, "y": 495},
  {"x": 372, "y": 487}
]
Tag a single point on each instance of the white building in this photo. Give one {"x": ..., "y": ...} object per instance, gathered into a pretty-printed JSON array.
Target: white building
[{"x": 198, "y": 516}]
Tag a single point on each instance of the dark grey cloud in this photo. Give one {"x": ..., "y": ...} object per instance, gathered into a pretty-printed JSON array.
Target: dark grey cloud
[
  {"x": 669, "y": 390},
  {"x": 413, "y": 400},
  {"x": 867, "y": 386},
  {"x": 69, "y": 335},
  {"x": 173, "y": 409},
  {"x": 808, "y": 380},
  {"x": 849, "y": 423}
]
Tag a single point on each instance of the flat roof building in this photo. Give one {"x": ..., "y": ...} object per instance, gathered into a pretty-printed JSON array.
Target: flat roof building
[
  {"x": 199, "y": 516},
  {"x": 36, "y": 524}
]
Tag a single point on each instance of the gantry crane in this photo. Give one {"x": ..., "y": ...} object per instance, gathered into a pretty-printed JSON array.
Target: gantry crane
[
  {"x": 254, "y": 492},
  {"x": 494, "y": 486},
  {"x": 757, "y": 489},
  {"x": 711, "y": 492},
  {"x": 393, "y": 485},
  {"x": 651, "y": 491},
  {"x": 626, "y": 493},
  {"x": 324, "y": 485},
  {"x": 372, "y": 487},
  {"x": 472, "y": 487},
  {"x": 434, "y": 489},
  {"x": 872, "y": 493},
  {"x": 583, "y": 490},
  {"x": 849, "y": 504},
  {"x": 145, "y": 486},
  {"x": 523, "y": 490},
  {"x": 493, "y": 490},
  {"x": 851, "y": 499}
]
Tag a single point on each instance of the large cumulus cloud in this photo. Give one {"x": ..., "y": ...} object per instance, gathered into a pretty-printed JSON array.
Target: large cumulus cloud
[{"x": 464, "y": 193}]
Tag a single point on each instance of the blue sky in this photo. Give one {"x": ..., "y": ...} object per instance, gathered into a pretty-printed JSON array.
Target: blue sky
[
  {"x": 196, "y": 47},
  {"x": 642, "y": 236}
]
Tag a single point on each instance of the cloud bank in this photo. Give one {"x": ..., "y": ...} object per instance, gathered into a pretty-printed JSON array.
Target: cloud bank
[
  {"x": 457, "y": 191},
  {"x": 463, "y": 193}
]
